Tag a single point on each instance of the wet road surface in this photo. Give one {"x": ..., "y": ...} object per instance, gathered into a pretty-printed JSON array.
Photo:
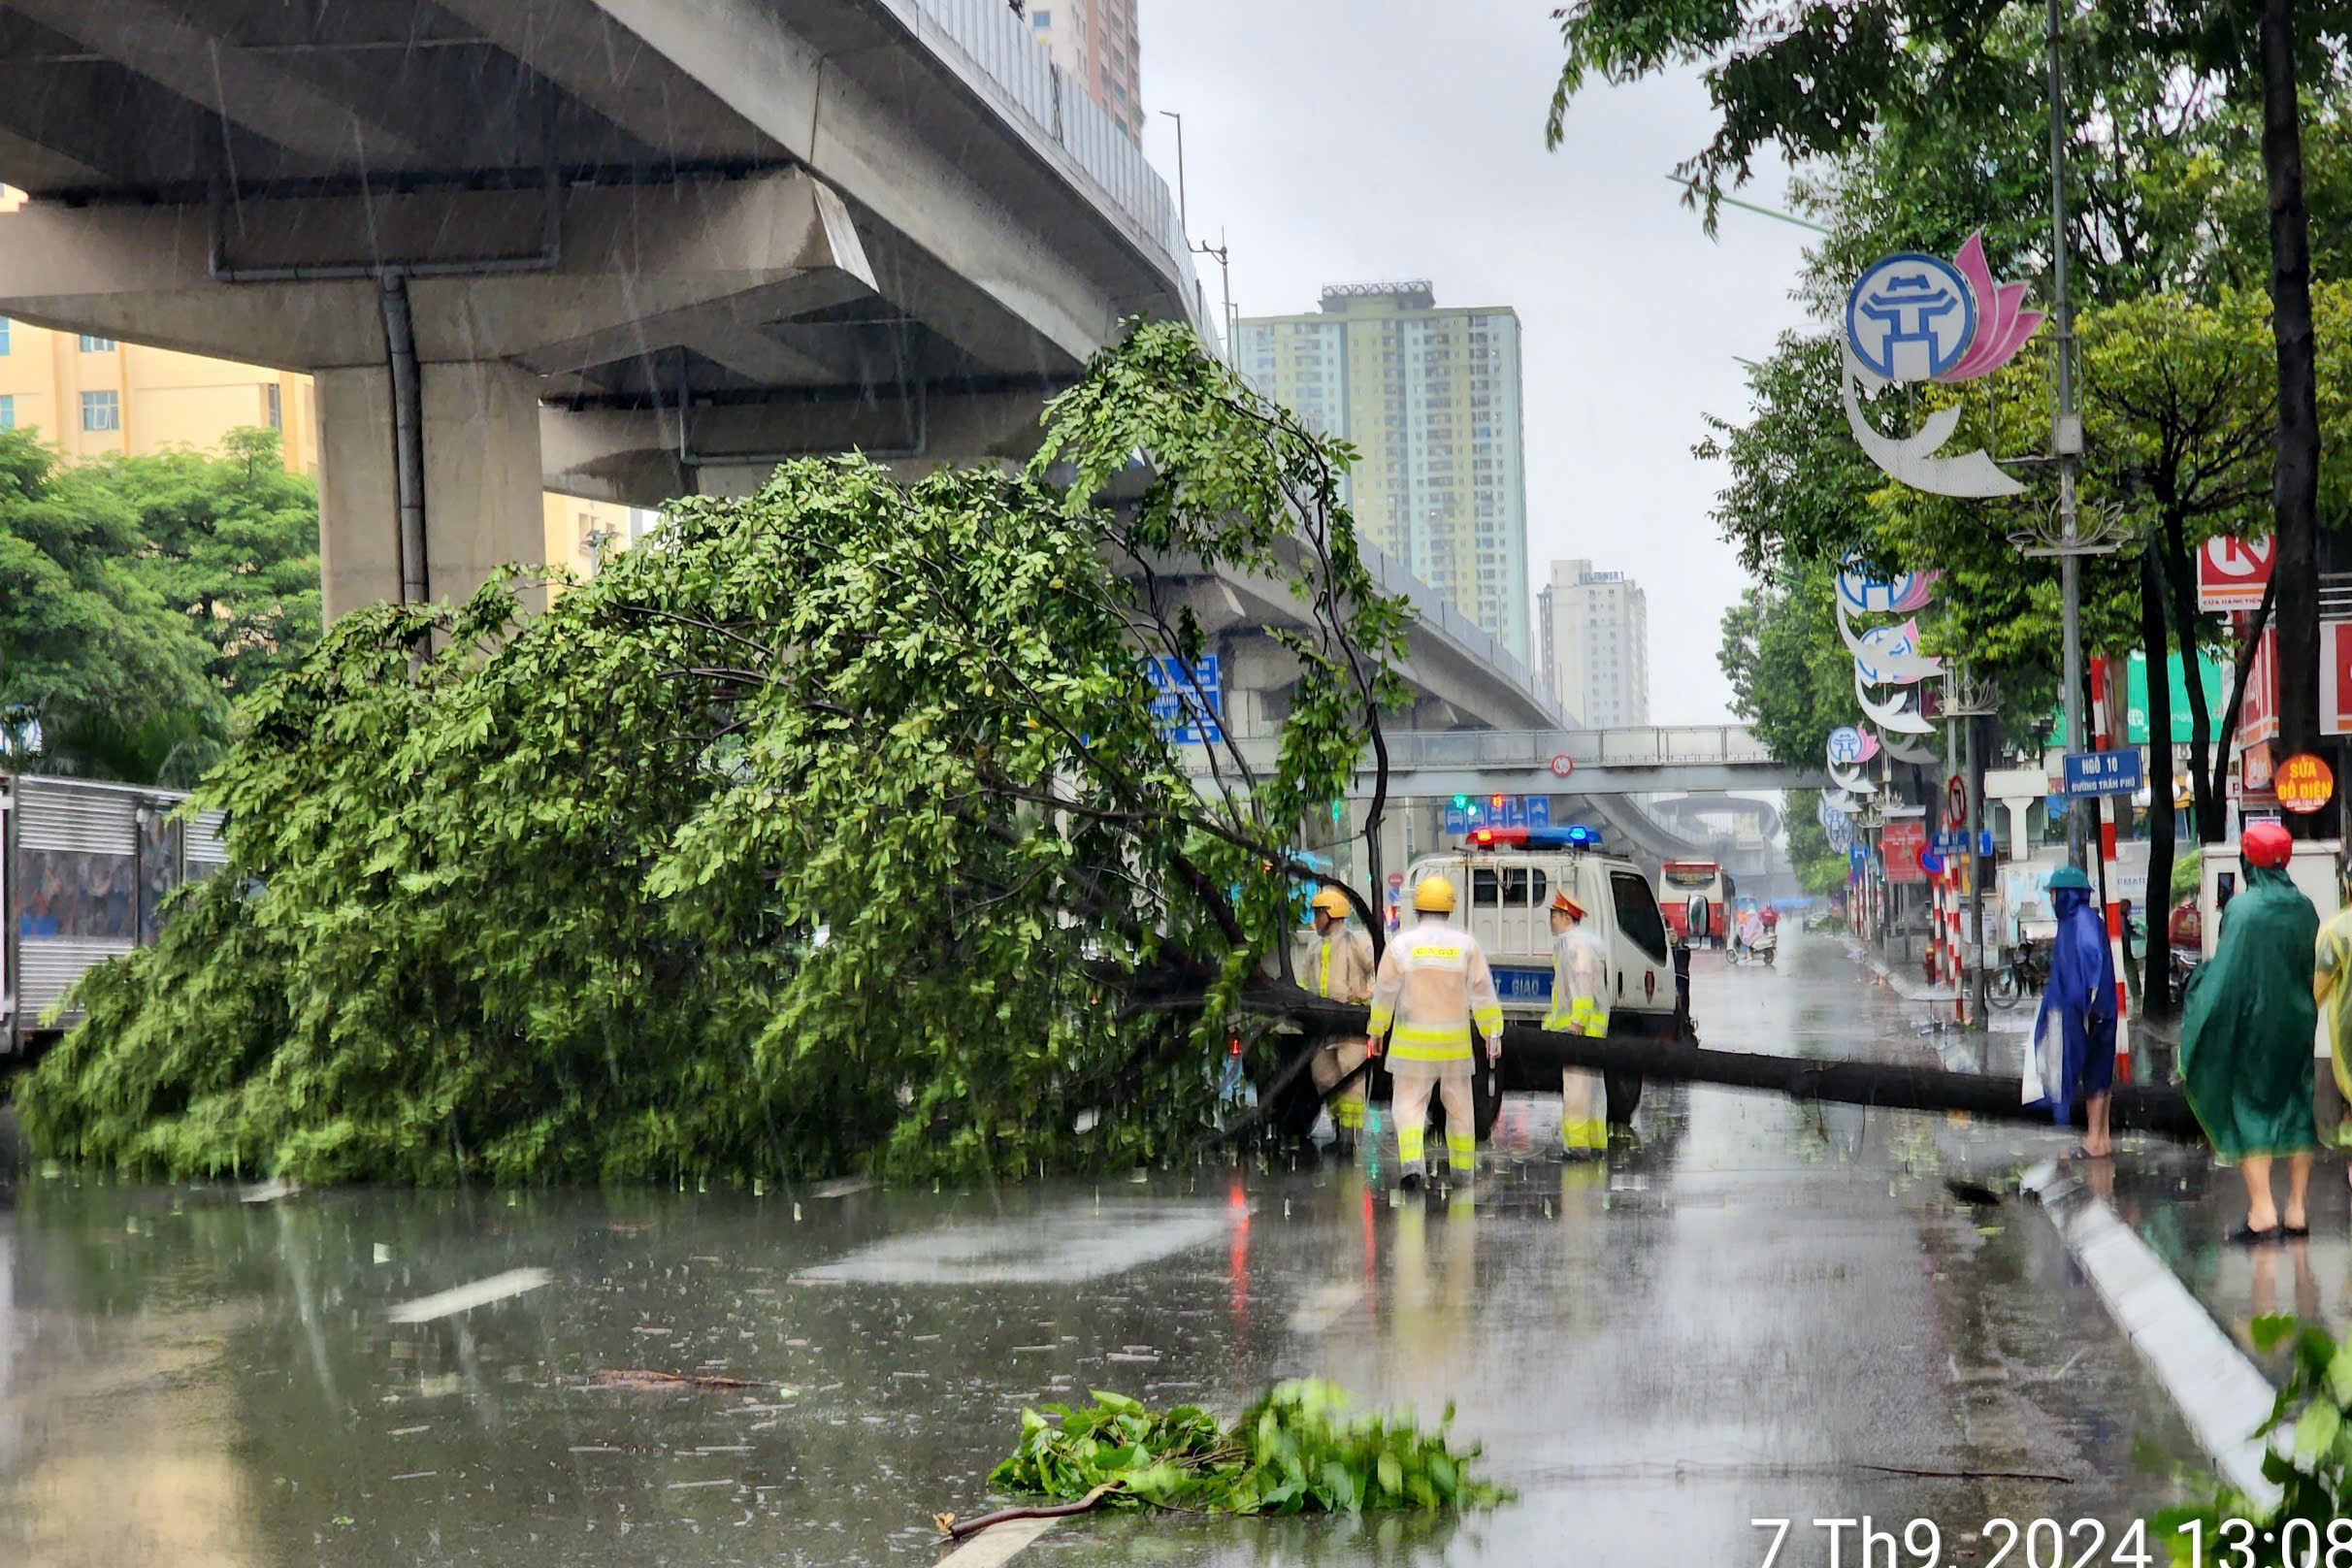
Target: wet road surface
[{"x": 1734, "y": 1319}]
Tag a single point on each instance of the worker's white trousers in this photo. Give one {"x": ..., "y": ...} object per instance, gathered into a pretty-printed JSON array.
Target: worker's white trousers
[
  {"x": 1583, "y": 1110},
  {"x": 1450, "y": 1080}
]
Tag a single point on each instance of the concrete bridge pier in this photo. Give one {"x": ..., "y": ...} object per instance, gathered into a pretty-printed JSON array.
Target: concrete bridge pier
[
  {"x": 511, "y": 297},
  {"x": 480, "y": 481}
]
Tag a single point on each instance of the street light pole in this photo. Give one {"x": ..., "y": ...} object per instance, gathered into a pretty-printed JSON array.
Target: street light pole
[
  {"x": 1184, "y": 215},
  {"x": 2065, "y": 439},
  {"x": 1220, "y": 250}
]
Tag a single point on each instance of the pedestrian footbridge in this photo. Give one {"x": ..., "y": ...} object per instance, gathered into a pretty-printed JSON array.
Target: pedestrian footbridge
[{"x": 1645, "y": 760}]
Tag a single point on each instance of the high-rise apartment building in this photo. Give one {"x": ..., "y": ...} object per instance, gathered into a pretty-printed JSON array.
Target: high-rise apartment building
[
  {"x": 1595, "y": 637},
  {"x": 1095, "y": 42},
  {"x": 1430, "y": 399}
]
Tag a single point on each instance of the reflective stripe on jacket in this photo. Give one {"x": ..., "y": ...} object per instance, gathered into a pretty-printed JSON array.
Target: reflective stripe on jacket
[
  {"x": 1580, "y": 983},
  {"x": 1433, "y": 985},
  {"x": 1338, "y": 966}
]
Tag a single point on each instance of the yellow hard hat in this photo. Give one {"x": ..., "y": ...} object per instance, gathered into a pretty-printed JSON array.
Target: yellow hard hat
[
  {"x": 1433, "y": 895},
  {"x": 1333, "y": 902}
]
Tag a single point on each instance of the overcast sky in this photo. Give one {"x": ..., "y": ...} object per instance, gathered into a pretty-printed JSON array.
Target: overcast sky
[{"x": 1360, "y": 140}]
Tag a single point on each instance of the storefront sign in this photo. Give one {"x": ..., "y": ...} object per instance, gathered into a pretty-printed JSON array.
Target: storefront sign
[{"x": 2303, "y": 783}]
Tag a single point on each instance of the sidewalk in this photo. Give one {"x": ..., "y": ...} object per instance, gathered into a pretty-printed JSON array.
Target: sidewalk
[{"x": 2148, "y": 1228}]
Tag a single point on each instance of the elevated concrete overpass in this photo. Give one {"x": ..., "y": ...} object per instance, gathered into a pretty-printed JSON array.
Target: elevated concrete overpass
[
  {"x": 622, "y": 248},
  {"x": 625, "y": 248},
  {"x": 1704, "y": 758},
  {"x": 1762, "y": 818}
]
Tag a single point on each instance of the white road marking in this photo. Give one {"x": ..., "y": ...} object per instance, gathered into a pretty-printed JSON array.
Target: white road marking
[
  {"x": 1325, "y": 1306},
  {"x": 998, "y": 1544},
  {"x": 465, "y": 1297}
]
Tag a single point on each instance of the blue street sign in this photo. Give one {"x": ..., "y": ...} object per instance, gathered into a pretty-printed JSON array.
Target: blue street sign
[
  {"x": 1539, "y": 811},
  {"x": 1857, "y": 857},
  {"x": 1514, "y": 812},
  {"x": 1457, "y": 821},
  {"x": 1176, "y": 705},
  {"x": 2102, "y": 773},
  {"x": 1954, "y": 843}
]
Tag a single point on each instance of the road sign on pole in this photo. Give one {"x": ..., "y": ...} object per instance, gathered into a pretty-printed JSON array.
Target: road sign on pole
[
  {"x": 1562, "y": 766},
  {"x": 2102, "y": 773}
]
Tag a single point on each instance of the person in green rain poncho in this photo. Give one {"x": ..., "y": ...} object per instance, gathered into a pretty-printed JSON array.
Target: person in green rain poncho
[{"x": 2245, "y": 1035}]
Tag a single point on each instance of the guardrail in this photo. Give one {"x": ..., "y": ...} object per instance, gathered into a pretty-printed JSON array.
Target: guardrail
[
  {"x": 1718, "y": 746},
  {"x": 1003, "y": 50},
  {"x": 1410, "y": 751}
]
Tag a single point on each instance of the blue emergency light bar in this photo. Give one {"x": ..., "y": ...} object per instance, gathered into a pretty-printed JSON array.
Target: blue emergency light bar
[{"x": 1578, "y": 836}]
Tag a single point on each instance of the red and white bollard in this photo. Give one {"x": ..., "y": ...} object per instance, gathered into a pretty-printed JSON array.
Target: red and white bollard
[{"x": 2108, "y": 873}]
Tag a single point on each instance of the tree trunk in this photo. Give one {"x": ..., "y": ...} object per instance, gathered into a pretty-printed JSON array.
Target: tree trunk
[
  {"x": 2295, "y": 474},
  {"x": 2207, "y": 763},
  {"x": 2155, "y": 988},
  {"x": 1990, "y": 1096}
]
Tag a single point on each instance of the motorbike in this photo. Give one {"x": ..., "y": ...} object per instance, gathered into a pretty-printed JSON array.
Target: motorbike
[
  {"x": 2027, "y": 973},
  {"x": 1766, "y": 948}
]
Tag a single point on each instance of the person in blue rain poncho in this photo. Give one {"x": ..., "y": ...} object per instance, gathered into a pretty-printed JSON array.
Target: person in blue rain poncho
[{"x": 2072, "y": 1056}]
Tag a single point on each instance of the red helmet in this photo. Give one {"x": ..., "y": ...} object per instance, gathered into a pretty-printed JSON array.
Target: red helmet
[{"x": 2265, "y": 844}]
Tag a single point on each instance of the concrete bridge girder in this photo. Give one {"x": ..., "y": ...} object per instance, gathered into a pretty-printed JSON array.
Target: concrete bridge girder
[{"x": 816, "y": 225}]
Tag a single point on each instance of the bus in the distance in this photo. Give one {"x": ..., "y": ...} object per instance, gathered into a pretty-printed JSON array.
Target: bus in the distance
[{"x": 1680, "y": 883}]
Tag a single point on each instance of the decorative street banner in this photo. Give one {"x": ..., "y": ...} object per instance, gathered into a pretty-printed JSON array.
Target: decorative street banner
[
  {"x": 1901, "y": 845},
  {"x": 1898, "y": 716},
  {"x": 1912, "y": 317},
  {"x": 1890, "y": 656},
  {"x": 1861, "y": 594}
]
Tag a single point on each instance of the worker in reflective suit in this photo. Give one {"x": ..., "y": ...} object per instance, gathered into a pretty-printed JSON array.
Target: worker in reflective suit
[
  {"x": 1338, "y": 963},
  {"x": 1433, "y": 985},
  {"x": 1580, "y": 1005}
]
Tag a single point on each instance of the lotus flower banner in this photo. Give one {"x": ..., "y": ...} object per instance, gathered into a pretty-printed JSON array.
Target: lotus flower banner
[{"x": 1914, "y": 317}]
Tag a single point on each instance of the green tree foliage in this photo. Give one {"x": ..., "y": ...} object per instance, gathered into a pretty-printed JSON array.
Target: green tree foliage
[
  {"x": 834, "y": 827},
  {"x": 139, "y": 596},
  {"x": 231, "y": 542},
  {"x": 94, "y": 667},
  {"x": 1908, "y": 92},
  {"x": 1792, "y": 680}
]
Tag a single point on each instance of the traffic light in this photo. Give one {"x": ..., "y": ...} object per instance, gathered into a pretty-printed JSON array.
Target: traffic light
[
  {"x": 1497, "y": 804},
  {"x": 1462, "y": 803},
  {"x": 1339, "y": 811}
]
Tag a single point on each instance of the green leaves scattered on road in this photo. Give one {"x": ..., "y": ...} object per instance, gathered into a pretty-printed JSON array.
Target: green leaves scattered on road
[{"x": 1297, "y": 1450}]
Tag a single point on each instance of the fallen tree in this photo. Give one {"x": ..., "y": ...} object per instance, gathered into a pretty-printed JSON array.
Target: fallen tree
[
  {"x": 1890, "y": 1086},
  {"x": 836, "y": 827}
]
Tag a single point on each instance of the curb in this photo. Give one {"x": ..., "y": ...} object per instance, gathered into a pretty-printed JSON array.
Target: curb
[{"x": 2218, "y": 1389}]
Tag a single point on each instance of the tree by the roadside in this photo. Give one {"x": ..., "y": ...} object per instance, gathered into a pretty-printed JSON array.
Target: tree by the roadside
[
  {"x": 1824, "y": 82},
  {"x": 96, "y": 673},
  {"x": 231, "y": 542},
  {"x": 837, "y": 829}
]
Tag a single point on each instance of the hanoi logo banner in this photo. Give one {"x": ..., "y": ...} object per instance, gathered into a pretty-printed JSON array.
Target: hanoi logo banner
[{"x": 1913, "y": 317}]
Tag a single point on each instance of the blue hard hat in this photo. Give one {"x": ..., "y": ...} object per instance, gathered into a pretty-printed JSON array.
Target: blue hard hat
[{"x": 2068, "y": 876}]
